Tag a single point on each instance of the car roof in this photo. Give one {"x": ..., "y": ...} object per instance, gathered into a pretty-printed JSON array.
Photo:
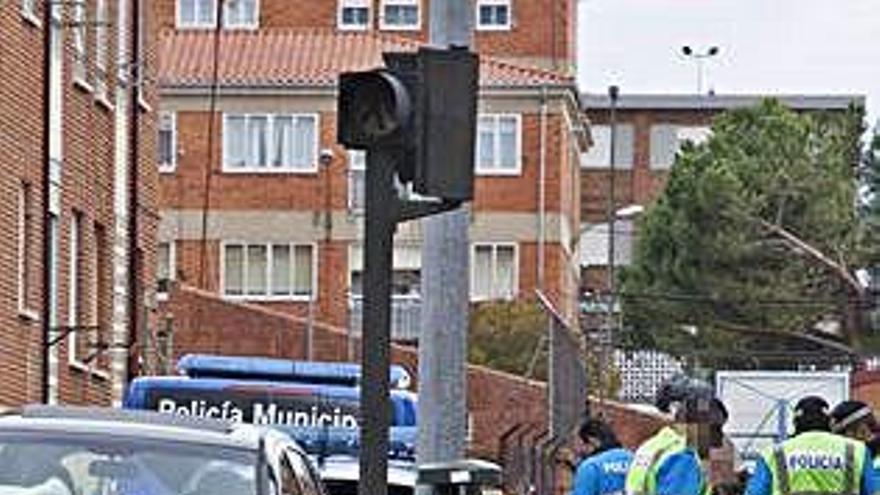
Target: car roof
[{"x": 140, "y": 424}]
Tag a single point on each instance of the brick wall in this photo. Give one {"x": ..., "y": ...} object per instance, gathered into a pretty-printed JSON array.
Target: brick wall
[
  {"x": 203, "y": 322},
  {"x": 21, "y": 147},
  {"x": 865, "y": 386},
  {"x": 87, "y": 195},
  {"x": 530, "y": 39}
]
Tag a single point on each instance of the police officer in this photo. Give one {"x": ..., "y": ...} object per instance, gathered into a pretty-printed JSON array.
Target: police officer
[
  {"x": 603, "y": 471},
  {"x": 813, "y": 461},
  {"x": 854, "y": 419},
  {"x": 670, "y": 462}
]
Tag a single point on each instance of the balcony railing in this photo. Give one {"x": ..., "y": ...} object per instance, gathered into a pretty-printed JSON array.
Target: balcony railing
[{"x": 406, "y": 317}]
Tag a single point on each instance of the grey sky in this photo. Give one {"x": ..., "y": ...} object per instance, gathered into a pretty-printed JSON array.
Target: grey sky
[{"x": 767, "y": 46}]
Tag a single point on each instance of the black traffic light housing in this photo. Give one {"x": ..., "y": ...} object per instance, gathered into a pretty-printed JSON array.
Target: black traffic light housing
[
  {"x": 425, "y": 104},
  {"x": 374, "y": 108}
]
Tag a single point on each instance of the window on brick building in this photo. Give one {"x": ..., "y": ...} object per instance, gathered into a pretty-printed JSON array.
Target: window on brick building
[
  {"x": 26, "y": 253},
  {"x": 493, "y": 15},
  {"x": 101, "y": 20},
  {"x": 599, "y": 154},
  {"x": 270, "y": 143},
  {"x": 406, "y": 278},
  {"x": 196, "y": 13},
  {"x": 268, "y": 271},
  {"x": 667, "y": 139},
  {"x": 241, "y": 14},
  {"x": 494, "y": 271},
  {"x": 29, "y": 10},
  {"x": 354, "y": 14},
  {"x": 357, "y": 176},
  {"x": 80, "y": 50},
  {"x": 167, "y": 142},
  {"x": 499, "y": 138},
  {"x": 400, "y": 15},
  {"x": 75, "y": 339},
  {"x": 166, "y": 267},
  {"x": 100, "y": 297}
]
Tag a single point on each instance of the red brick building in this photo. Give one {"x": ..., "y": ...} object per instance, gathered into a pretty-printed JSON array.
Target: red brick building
[
  {"x": 66, "y": 153},
  {"x": 650, "y": 131},
  {"x": 259, "y": 203}
]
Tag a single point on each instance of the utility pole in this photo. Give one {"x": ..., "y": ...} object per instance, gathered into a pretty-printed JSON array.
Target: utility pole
[
  {"x": 611, "y": 318},
  {"x": 445, "y": 282}
]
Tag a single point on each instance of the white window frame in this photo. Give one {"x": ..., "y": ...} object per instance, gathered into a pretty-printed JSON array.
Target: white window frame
[
  {"x": 168, "y": 167},
  {"x": 586, "y": 159},
  {"x": 268, "y": 297},
  {"x": 355, "y": 168},
  {"x": 101, "y": 51},
  {"x": 677, "y": 129},
  {"x": 73, "y": 295},
  {"x": 29, "y": 12},
  {"x": 195, "y": 25},
  {"x": 172, "y": 268},
  {"x": 496, "y": 169},
  {"x": 494, "y": 3},
  {"x": 344, "y": 4},
  {"x": 400, "y": 27},
  {"x": 269, "y": 169},
  {"x": 80, "y": 33},
  {"x": 249, "y": 26},
  {"x": 494, "y": 246},
  {"x": 356, "y": 246}
]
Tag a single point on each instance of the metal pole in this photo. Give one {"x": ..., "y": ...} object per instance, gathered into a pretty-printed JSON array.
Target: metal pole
[
  {"x": 613, "y": 92},
  {"x": 445, "y": 276},
  {"x": 376, "y": 334}
]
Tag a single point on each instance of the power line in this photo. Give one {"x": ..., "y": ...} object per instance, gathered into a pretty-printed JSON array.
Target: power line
[
  {"x": 703, "y": 298},
  {"x": 209, "y": 165}
]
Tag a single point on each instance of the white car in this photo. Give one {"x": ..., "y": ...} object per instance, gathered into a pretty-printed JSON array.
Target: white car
[{"x": 94, "y": 451}]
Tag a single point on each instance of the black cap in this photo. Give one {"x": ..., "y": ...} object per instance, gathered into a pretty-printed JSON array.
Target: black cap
[
  {"x": 811, "y": 404},
  {"x": 811, "y": 414},
  {"x": 849, "y": 413}
]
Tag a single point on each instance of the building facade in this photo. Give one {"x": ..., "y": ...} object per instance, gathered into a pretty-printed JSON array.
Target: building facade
[
  {"x": 68, "y": 145},
  {"x": 260, "y": 204},
  {"x": 650, "y": 131}
]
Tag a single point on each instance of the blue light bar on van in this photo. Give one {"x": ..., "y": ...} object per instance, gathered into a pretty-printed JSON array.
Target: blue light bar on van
[
  {"x": 328, "y": 441},
  {"x": 260, "y": 368}
]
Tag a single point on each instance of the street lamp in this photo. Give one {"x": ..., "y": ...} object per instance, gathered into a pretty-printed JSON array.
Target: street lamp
[{"x": 700, "y": 58}]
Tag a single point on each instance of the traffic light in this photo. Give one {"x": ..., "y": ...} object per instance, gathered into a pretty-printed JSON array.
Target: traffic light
[
  {"x": 425, "y": 104},
  {"x": 374, "y": 107}
]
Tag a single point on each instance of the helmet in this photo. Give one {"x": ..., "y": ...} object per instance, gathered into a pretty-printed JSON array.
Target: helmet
[{"x": 695, "y": 401}]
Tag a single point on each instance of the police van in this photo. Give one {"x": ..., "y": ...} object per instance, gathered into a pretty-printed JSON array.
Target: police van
[{"x": 267, "y": 391}]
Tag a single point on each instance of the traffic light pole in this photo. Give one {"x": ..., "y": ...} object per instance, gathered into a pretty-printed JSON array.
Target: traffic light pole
[
  {"x": 380, "y": 213},
  {"x": 445, "y": 275}
]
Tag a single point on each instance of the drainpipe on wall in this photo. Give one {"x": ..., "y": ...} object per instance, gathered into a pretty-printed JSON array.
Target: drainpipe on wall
[
  {"x": 47, "y": 184},
  {"x": 134, "y": 256},
  {"x": 542, "y": 182}
]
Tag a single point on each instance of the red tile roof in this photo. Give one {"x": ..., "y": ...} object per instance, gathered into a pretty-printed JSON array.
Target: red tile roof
[{"x": 296, "y": 57}]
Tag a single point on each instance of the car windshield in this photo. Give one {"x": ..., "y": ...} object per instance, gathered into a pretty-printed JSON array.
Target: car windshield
[{"x": 91, "y": 465}]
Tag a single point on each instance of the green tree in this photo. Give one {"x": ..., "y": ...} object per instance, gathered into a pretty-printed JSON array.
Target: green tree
[
  {"x": 756, "y": 232},
  {"x": 509, "y": 336},
  {"x": 512, "y": 337}
]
